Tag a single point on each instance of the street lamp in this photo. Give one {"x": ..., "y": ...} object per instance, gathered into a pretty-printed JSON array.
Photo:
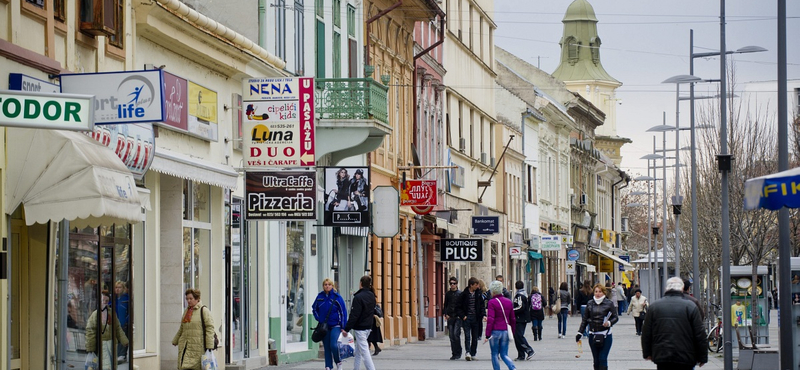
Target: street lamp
[
  {"x": 724, "y": 162},
  {"x": 652, "y": 242}
]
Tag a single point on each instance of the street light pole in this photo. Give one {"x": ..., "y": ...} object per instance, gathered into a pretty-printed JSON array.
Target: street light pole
[
  {"x": 695, "y": 243},
  {"x": 665, "y": 273},
  {"x": 784, "y": 242},
  {"x": 677, "y": 201},
  {"x": 724, "y": 162}
]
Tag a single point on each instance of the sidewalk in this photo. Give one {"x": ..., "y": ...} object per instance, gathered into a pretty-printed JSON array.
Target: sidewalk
[{"x": 551, "y": 353}]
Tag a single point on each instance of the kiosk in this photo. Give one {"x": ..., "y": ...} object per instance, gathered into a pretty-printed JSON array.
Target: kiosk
[{"x": 743, "y": 289}]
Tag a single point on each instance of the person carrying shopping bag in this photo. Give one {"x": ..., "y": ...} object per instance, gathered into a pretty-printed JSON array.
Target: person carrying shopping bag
[
  {"x": 108, "y": 319},
  {"x": 195, "y": 336},
  {"x": 500, "y": 322},
  {"x": 638, "y": 307},
  {"x": 329, "y": 307}
]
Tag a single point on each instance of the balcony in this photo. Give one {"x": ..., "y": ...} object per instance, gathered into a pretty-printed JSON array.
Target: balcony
[
  {"x": 351, "y": 98},
  {"x": 353, "y": 116}
]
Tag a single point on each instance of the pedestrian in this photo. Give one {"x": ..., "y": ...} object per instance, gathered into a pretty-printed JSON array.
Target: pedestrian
[
  {"x": 109, "y": 323},
  {"x": 453, "y": 321},
  {"x": 537, "y": 313},
  {"x": 506, "y": 293},
  {"x": 498, "y": 318},
  {"x": 621, "y": 300},
  {"x": 376, "y": 336},
  {"x": 638, "y": 308},
  {"x": 484, "y": 290},
  {"x": 522, "y": 314},
  {"x": 329, "y": 307},
  {"x": 566, "y": 298},
  {"x": 471, "y": 308},
  {"x": 673, "y": 335},
  {"x": 362, "y": 316},
  {"x": 687, "y": 285},
  {"x": 599, "y": 317},
  {"x": 610, "y": 288},
  {"x": 193, "y": 338},
  {"x": 551, "y": 300},
  {"x": 122, "y": 306},
  {"x": 583, "y": 296}
]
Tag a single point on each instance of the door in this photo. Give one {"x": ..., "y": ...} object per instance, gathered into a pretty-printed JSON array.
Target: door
[{"x": 294, "y": 323}]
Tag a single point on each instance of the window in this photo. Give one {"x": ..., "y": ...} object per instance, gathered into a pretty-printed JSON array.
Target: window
[
  {"x": 572, "y": 49},
  {"x": 531, "y": 184},
  {"x": 299, "y": 38},
  {"x": 320, "y": 40},
  {"x": 595, "y": 45},
  {"x": 351, "y": 21},
  {"x": 337, "y": 55},
  {"x": 59, "y": 10},
  {"x": 337, "y": 13},
  {"x": 352, "y": 59},
  {"x": 244, "y": 284},
  {"x": 319, "y": 8},
  {"x": 39, "y": 3},
  {"x": 196, "y": 236},
  {"x": 139, "y": 278},
  {"x": 280, "y": 29},
  {"x": 119, "y": 12},
  {"x": 101, "y": 17}
]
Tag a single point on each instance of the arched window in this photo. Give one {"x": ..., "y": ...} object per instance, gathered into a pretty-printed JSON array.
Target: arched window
[
  {"x": 573, "y": 48},
  {"x": 595, "y": 45}
]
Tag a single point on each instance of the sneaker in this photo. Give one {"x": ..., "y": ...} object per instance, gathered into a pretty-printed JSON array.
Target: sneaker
[
  {"x": 530, "y": 355},
  {"x": 339, "y": 366},
  {"x": 559, "y": 336},
  {"x": 474, "y": 358},
  {"x": 454, "y": 357},
  {"x": 468, "y": 357}
]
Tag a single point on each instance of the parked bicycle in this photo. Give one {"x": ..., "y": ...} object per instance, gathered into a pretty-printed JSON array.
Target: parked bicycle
[{"x": 715, "y": 340}]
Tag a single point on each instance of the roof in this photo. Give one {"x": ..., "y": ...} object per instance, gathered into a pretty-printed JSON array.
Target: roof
[{"x": 580, "y": 10}]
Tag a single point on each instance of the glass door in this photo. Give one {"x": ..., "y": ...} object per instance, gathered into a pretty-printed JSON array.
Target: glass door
[{"x": 295, "y": 322}]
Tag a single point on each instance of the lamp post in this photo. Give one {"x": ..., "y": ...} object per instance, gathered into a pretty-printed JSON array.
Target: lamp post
[{"x": 653, "y": 230}]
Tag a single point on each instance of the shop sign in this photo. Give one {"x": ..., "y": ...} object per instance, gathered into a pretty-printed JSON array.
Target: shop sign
[
  {"x": 461, "y": 250},
  {"x": 120, "y": 97},
  {"x": 176, "y": 96},
  {"x": 281, "y": 195},
  {"x": 567, "y": 240},
  {"x": 418, "y": 193},
  {"x": 570, "y": 267},
  {"x": 550, "y": 242},
  {"x": 516, "y": 237},
  {"x": 514, "y": 251},
  {"x": 626, "y": 259},
  {"x": 573, "y": 255},
  {"x": 485, "y": 225},
  {"x": 46, "y": 110},
  {"x": 133, "y": 143},
  {"x": 386, "y": 212},
  {"x": 347, "y": 197},
  {"x": 605, "y": 264},
  {"x": 278, "y": 123},
  {"x": 21, "y": 82}
]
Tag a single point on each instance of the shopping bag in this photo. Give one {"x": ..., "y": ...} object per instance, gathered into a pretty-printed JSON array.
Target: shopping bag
[
  {"x": 91, "y": 362},
  {"x": 347, "y": 347},
  {"x": 208, "y": 361}
]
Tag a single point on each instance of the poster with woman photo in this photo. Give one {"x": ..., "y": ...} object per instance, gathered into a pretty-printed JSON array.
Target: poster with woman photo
[{"x": 346, "y": 196}]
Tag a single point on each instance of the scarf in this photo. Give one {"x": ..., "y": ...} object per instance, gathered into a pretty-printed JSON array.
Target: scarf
[
  {"x": 599, "y": 300},
  {"x": 188, "y": 316}
]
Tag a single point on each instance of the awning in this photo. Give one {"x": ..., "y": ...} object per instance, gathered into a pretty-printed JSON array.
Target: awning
[
  {"x": 195, "y": 169},
  {"x": 60, "y": 175},
  {"x": 535, "y": 255},
  {"x": 589, "y": 268},
  {"x": 354, "y": 231},
  {"x": 610, "y": 256}
]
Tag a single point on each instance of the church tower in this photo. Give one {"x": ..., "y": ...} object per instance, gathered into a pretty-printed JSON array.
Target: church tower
[{"x": 583, "y": 73}]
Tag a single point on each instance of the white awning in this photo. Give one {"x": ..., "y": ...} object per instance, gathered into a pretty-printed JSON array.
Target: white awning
[
  {"x": 589, "y": 268},
  {"x": 60, "y": 175},
  {"x": 195, "y": 169},
  {"x": 610, "y": 256}
]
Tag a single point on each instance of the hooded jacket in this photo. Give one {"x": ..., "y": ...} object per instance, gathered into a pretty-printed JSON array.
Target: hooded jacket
[
  {"x": 189, "y": 337},
  {"x": 673, "y": 331},
  {"x": 362, "y": 311},
  {"x": 335, "y": 303}
]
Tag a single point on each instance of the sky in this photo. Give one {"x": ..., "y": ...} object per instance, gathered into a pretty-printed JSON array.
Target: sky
[{"x": 646, "y": 42}]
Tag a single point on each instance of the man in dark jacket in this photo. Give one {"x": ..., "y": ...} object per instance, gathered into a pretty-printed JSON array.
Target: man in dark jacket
[
  {"x": 687, "y": 285},
  {"x": 673, "y": 335},
  {"x": 453, "y": 322},
  {"x": 360, "y": 321},
  {"x": 471, "y": 309},
  {"x": 522, "y": 312}
]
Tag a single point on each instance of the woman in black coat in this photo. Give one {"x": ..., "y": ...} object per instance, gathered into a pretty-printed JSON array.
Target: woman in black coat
[
  {"x": 375, "y": 336},
  {"x": 599, "y": 317}
]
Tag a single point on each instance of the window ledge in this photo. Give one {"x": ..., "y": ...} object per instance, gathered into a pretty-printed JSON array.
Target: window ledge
[{"x": 115, "y": 52}]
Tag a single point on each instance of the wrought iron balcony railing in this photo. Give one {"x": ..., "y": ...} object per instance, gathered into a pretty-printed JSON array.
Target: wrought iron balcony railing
[{"x": 351, "y": 98}]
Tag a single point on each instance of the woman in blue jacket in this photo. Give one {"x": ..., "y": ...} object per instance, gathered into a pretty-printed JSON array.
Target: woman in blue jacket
[{"x": 330, "y": 307}]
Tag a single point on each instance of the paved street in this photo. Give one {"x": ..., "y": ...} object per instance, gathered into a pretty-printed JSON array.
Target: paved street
[{"x": 551, "y": 353}]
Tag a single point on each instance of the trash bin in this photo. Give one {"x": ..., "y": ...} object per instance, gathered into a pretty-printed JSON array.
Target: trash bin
[{"x": 421, "y": 334}]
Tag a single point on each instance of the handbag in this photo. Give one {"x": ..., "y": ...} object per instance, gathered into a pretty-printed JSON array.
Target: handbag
[
  {"x": 508, "y": 327},
  {"x": 599, "y": 340},
  {"x": 557, "y": 305},
  {"x": 203, "y": 321},
  {"x": 378, "y": 311},
  {"x": 322, "y": 328}
]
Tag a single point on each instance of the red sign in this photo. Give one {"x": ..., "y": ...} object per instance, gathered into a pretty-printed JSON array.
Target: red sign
[
  {"x": 176, "y": 104},
  {"x": 307, "y": 122},
  {"x": 418, "y": 193}
]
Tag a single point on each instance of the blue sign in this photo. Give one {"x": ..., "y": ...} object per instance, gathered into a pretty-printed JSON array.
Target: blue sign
[
  {"x": 626, "y": 259},
  {"x": 573, "y": 255},
  {"x": 21, "y": 82},
  {"x": 485, "y": 225}
]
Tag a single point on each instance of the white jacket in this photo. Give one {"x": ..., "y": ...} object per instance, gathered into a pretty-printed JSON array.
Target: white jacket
[{"x": 638, "y": 305}]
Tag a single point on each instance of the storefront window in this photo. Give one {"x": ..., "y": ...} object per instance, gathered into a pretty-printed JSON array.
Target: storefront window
[
  {"x": 251, "y": 281},
  {"x": 236, "y": 281},
  {"x": 196, "y": 237},
  {"x": 295, "y": 281},
  {"x": 140, "y": 278}
]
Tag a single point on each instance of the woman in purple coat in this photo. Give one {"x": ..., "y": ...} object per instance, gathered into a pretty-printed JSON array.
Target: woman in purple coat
[{"x": 499, "y": 314}]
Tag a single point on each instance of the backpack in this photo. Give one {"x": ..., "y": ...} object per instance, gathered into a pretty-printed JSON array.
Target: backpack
[{"x": 536, "y": 302}]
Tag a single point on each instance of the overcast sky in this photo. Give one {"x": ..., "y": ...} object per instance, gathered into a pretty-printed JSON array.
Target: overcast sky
[{"x": 646, "y": 42}]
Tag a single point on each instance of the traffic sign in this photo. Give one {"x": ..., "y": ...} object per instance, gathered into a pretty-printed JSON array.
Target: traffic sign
[
  {"x": 573, "y": 255},
  {"x": 571, "y": 267}
]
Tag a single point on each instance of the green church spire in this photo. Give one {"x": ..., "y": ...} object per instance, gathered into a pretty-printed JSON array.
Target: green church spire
[{"x": 580, "y": 46}]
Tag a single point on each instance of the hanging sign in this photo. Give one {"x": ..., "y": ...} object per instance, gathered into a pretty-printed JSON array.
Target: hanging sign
[
  {"x": 133, "y": 143},
  {"x": 418, "y": 193},
  {"x": 386, "y": 212},
  {"x": 120, "y": 97},
  {"x": 485, "y": 225},
  {"x": 461, "y": 250},
  {"x": 570, "y": 267},
  {"x": 550, "y": 242},
  {"x": 46, "y": 110},
  {"x": 281, "y": 195},
  {"x": 573, "y": 255},
  {"x": 514, "y": 251},
  {"x": 347, "y": 196},
  {"x": 626, "y": 259}
]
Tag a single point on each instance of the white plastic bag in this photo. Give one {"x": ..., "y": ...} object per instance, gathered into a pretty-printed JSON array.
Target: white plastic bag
[
  {"x": 91, "y": 362},
  {"x": 347, "y": 346},
  {"x": 208, "y": 361}
]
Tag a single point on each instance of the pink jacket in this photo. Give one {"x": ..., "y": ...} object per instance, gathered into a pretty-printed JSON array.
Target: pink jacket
[{"x": 494, "y": 314}]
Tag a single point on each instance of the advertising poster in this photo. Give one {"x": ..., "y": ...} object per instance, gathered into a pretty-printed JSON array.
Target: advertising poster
[
  {"x": 278, "y": 122},
  {"x": 281, "y": 195},
  {"x": 461, "y": 250},
  {"x": 133, "y": 143},
  {"x": 202, "y": 120},
  {"x": 347, "y": 193},
  {"x": 120, "y": 97},
  {"x": 419, "y": 193},
  {"x": 176, "y": 94}
]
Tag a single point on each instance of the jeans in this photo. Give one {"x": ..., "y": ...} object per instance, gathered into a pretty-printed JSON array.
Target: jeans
[
  {"x": 623, "y": 306},
  {"x": 362, "y": 350},
  {"x": 499, "y": 346},
  {"x": 585, "y": 331},
  {"x": 600, "y": 355},
  {"x": 523, "y": 348},
  {"x": 562, "y": 321},
  {"x": 536, "y": 328},
  {"x": 331, "y": 345},
  {"x": 472, "y": 332},
  {"x": 639, "y": 322},
  {"x": 454, "y": 327}
]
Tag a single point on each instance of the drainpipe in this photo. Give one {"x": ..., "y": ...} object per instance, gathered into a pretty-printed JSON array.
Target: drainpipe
[{"x": 262, "y": 23}]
